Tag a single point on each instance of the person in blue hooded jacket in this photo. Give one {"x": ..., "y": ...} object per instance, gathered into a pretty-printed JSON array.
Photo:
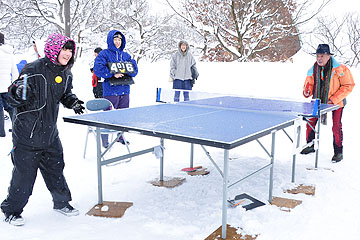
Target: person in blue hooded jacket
[{"x": 118, "y": 69}]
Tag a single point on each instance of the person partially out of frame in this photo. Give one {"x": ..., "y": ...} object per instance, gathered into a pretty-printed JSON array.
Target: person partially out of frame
[
  {"x": 97, "y": 82},
  {"x": 331, "y": 82}
]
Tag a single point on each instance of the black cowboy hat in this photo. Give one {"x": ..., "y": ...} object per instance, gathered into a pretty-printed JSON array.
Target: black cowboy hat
[{"x": 323, "y": 49}]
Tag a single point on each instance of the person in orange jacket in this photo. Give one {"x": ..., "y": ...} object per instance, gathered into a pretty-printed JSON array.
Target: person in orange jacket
[{"x": 331, "y": 82}]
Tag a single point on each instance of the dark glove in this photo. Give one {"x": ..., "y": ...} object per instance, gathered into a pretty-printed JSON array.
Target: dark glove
[
  {"x": 19, "y": 91},
  {"x": 192, "y": 82},
  {"x": 78, "y": 108},
  {"x": 20, "y": 88}
]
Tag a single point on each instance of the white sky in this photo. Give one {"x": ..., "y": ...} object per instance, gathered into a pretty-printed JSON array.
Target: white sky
[{"x": 338, "y": 7}]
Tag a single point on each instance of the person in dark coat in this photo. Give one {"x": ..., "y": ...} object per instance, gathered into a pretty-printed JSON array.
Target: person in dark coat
[
  {"x": 118, "y": 69},
  {"x": 96, "y": 81},
  {"x": 36, "y": 96}
]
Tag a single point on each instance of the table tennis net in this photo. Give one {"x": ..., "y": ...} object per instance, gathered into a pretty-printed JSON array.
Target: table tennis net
[
  {"x": 164, "y": 95},
  {"x": 234, "y": 102}
]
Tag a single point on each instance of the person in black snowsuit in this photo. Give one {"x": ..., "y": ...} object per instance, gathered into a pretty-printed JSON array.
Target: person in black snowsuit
[{"x": 36, "y": 96}]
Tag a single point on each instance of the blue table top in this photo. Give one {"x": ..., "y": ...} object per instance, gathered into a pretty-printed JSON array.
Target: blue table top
[{"x": 224, "y": 122}]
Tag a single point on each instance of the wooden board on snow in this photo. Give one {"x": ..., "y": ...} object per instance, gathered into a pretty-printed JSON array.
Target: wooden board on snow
[
  {"x": 306, "y": 189},
  {"x": 231, "y": 234},
  {"x": 168, "y": 182},
  {"x": 110, "y": 209},
  {"x": 285, "y": 204}
]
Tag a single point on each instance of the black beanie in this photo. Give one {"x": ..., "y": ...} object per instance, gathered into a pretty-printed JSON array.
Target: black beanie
[
  {"x": 98, "y": 50},
  {"x": 2, "y": 38}
]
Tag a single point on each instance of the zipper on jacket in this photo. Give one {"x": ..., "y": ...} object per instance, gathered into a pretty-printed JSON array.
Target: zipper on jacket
[{"x": 33, "y": 128}]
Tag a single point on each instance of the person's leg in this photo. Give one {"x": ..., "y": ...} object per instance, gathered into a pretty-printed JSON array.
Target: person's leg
[
  {"x": 6, "y": 105},
  {"x": 177, "y": 84},
  {"x": 94, "y": 92},
  {"x": 187, "y": 86},
  {"x": 337, "y": 131},
  {"x": 26, "y": 162},
  {"x": 51, "y": 167},
  {"x": 2, "y": 121},
  {"x": 123, "y": 102},
  {"x": 310, "y": 135},
  {"x": 105, "y": 137}
]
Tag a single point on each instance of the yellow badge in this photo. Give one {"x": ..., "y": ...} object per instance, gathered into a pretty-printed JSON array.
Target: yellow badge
[{"x": 58, "y": 79}]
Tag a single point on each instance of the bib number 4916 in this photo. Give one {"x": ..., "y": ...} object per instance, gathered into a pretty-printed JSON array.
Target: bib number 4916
[{"x": 121, "y": 67}]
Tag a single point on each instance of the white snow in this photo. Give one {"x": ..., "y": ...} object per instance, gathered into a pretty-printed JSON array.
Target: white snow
[{"x": 193, "y": 210}]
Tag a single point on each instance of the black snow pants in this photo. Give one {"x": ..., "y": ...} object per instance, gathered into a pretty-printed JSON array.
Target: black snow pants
[{"x": 27, "y": 161}]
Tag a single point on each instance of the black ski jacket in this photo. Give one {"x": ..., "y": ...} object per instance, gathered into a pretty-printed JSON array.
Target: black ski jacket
[{"x": 35, "y": 118}]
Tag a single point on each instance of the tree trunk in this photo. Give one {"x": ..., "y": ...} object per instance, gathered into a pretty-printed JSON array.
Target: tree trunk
[{"x": 67, "y": 17}]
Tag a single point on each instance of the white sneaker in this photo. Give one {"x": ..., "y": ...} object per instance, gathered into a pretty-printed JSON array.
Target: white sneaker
[
  {"x": 15, "y": 220},
  {"x": 68, "y": 211}
]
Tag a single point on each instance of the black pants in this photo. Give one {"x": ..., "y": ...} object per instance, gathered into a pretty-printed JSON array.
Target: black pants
[
  {"x": 4, "y": 106},
  {"x": 26, "y": 162}
]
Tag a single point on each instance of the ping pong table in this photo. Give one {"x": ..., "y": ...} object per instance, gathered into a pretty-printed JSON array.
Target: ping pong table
[{"x": 224, "y": 122}]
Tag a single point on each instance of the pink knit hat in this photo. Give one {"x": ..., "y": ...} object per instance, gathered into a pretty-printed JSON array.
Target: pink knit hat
[{"x": 54, "y": 44}]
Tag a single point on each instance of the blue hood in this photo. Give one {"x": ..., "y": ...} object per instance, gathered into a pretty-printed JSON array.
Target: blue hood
[{"x": 110, "y": 41}]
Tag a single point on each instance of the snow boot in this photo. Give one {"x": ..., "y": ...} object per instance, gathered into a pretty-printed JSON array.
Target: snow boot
[
  {"x": 308, "y": 150},
  {"x": 122, "y": 141},
  {"x": 337, "y": 157},
  {"x": 68, "y": 210},
  {"x": 14, "y": 219}
]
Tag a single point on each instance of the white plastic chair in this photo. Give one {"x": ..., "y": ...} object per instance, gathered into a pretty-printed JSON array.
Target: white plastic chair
[{"x": 101, "y": 104}]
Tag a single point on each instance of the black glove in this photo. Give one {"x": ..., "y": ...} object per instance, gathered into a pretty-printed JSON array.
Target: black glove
[
  {"x": 77, "y": 107},
  {"x": 20, "y": 90}
]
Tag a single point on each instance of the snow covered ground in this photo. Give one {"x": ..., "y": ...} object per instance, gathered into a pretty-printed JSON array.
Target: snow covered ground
[{"x": 192, "y": 211}]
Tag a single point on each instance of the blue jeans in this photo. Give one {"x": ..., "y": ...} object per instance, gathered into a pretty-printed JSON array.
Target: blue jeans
[
  {"x": 4, "y": 106},
  {"x": 184, "y": 85}
]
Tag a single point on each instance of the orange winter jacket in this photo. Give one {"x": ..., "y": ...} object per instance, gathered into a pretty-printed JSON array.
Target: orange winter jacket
[{"x": 341, "y": 83}]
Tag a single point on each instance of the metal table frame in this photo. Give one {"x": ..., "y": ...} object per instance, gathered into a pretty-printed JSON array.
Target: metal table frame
[{"x": 225, "y": 173}]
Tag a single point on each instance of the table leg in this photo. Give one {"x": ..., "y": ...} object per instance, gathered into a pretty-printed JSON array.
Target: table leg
[
  {"x": 317, "y": 142},
  {"x": 162, "y": 160},
  {"x": 272, "y": 165},
  {"x": 192, "y": 155},
  {"x": 98, "y": 147},
  {"x": 225, "y": 187},
  {"x": 297, "y": 144}
]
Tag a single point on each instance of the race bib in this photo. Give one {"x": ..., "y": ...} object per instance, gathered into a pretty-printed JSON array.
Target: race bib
[{"x": 121, "y": 67}]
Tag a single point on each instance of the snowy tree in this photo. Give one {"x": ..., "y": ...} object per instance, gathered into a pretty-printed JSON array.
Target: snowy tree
[
  {"x": 342, "y": 34},
  {"x": 247, "y": 30},
  {"x": 144, "y": 32},
  {"x": 35, "y": 18},
  {"x": 353, "y": 33},
  {"x": 88, "y": 22}
]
